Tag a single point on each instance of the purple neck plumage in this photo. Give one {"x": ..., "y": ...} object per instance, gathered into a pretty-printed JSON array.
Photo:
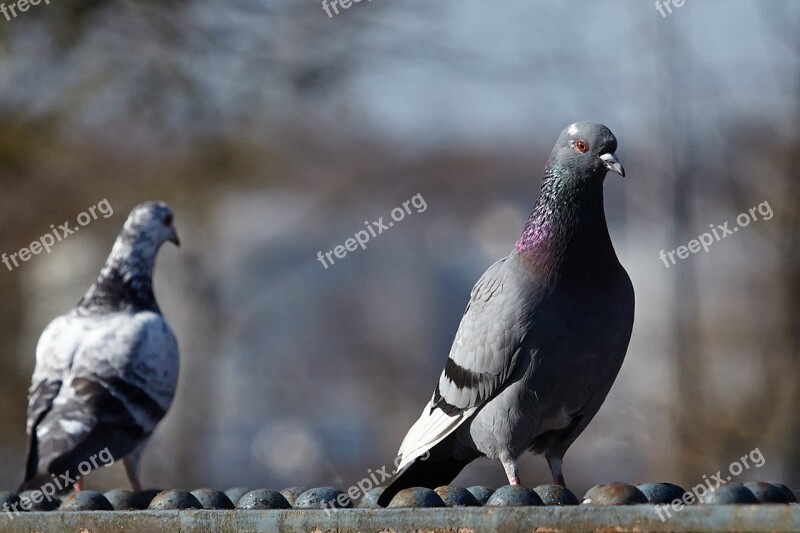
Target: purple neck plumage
[{"x": 568, "y": 216}]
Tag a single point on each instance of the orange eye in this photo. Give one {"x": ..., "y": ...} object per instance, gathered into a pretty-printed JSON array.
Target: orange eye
[{"x": 581, "y": 146}]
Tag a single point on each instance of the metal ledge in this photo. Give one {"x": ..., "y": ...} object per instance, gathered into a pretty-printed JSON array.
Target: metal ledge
[{"x": 712, "y": 518}]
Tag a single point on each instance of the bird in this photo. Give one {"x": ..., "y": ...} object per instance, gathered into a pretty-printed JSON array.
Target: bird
[
  {"x": 543, "y": 336},
  {"x": 106, "y": 371}
]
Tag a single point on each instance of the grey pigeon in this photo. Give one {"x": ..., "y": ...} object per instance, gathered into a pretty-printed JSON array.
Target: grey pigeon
[
  {"x": 543, "y": 336},
  {"x": 106, "y": 372}
]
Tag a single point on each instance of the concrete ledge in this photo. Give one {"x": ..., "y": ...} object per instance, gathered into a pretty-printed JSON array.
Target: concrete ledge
[{"x": 712, "y": 518}]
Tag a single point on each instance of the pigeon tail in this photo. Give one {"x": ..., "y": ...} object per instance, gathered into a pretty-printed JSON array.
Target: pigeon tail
[
  {"x": 439, "y": 469},
  {"x": 433, "y": 426}
]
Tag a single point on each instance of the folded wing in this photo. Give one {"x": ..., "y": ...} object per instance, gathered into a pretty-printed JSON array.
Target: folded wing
[{"x": 483, "y": 356}]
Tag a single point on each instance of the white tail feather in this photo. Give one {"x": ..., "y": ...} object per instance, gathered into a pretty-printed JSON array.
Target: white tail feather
[{"x": 428, "y": 431}]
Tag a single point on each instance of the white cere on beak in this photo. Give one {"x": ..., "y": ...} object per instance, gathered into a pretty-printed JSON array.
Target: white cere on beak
[
  {"x": 573, "y": 129},
  {"x": 613, "y": 164}
]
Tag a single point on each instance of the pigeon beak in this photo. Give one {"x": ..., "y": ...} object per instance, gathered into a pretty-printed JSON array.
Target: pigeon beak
[
  {"x": 173, "y": 238},
  {"x": 613, "y": 164}
]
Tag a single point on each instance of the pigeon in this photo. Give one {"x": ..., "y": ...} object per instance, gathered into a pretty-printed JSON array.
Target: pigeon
[
  {"x": 106, "y": 371},
  {"x": 543, "y": 336}
]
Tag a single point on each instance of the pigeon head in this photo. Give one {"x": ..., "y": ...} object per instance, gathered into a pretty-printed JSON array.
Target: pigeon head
[
  {"x": 586, "y": 151},
  {"x": 569, "y": 215},
  {"x": 126, "y": 280},
  {"x": 150, "y": 223}
]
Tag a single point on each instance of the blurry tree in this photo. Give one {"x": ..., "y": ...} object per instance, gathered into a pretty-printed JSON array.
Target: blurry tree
[
  {"x": 781, "y": 347},
  {"x": 680, "y": 170}
]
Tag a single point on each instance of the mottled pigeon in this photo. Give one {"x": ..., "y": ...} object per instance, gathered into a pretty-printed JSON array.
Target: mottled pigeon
[
  {"x": 543, "y": 336},
  {"x": 106, "y": 371}
]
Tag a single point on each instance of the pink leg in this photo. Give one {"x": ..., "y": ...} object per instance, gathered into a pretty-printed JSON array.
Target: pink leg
[
  {"x": 133, "y": 476},
  {"x": 555, "y": 470},
  {"x": 512, "y": 473},
  {"x": 78, "y": 485}
]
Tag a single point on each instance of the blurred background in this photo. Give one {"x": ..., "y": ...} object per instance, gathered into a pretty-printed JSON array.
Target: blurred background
[{"x": 275, "y": 131}]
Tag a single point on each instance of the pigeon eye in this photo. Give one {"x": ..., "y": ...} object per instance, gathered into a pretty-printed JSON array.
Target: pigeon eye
[
  {"x": 168, "y": 220},
  {"x": 581, "y": 146}
]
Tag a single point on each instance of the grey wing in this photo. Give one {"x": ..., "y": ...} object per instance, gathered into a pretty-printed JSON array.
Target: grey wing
[
  {"x": 483, "y": 356},
  {"x": 54, "y": 355},
  {"x": 55, "y": 352},
  {"x": 488, "y": 340},
  {"x": 120, "y": 385}
]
